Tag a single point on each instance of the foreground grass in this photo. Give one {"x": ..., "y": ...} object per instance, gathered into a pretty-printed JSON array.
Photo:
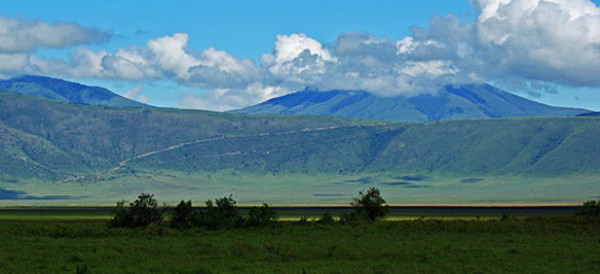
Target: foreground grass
[{"x": 540, "y": 244}]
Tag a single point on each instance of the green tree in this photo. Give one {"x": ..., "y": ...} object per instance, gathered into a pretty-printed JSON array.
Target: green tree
[
  {"x": 141, "y": 213},
  {"x": 261, "y": 216},
  {"x": 184, "y": 216},
  {"x": 589, "y": 208},
  {"x": 370, "y": 205},
  {"x": 222, "y": 213}
]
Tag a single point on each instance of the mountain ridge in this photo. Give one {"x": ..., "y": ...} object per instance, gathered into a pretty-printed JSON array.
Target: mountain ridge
[
  {"x": 65, "y": 91},
  {"x": 82, "y": 153},
  {"x": 98, "y": 138},
  {"x": 451, "y": 102}
]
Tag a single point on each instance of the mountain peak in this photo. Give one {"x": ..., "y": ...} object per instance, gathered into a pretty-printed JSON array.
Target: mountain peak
[
  {"x": 61, "y": 90},
  {"x": 451, "y": 102}
]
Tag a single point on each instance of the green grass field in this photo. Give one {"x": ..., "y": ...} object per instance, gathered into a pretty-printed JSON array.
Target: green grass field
[
  {"x": 526, "y": 245},
  {"x": 171, "y": 186}
]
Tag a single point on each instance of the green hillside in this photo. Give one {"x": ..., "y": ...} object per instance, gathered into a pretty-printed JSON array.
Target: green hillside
[
  {"x": 60, "y": 90},
  {"x": 98, "y": 154},
  {"x": 105, "y": 136},
  {"x": 26, "y": 155}
]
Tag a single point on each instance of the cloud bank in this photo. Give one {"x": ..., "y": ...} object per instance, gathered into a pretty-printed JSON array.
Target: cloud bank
[{"x": 520, "y": 44}]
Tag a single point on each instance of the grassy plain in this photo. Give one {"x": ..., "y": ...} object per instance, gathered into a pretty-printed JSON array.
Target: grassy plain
[
  {"x": 170, "y": 186},
  {"x": 532, "y": 245}
]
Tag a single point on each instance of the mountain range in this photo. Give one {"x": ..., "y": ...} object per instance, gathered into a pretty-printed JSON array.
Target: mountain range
[
  {"x": 60, "y": 152},
  {"x": 450, "y": 103}
]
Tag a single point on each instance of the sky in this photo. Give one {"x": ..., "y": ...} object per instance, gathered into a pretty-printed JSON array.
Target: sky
[{"x": 222, "y": 55}]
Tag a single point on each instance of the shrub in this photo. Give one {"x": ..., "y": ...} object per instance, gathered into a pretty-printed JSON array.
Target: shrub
[
  {"x": 326, "y": 219},
  {"x": 370, "y": 205},
  {"x": 261, "y": 216},
  {"x": 506, "y": 216},
  {"x": 303, "y": 221},
  {"x": 184, "y": 216},
  {"x": 349, "y": 217},
  {"x": 223, "y": 213},
  {"x": 589, "y": 208},
  {"x": 141, "y": 213},
  {"x": 227, "y": 207}
]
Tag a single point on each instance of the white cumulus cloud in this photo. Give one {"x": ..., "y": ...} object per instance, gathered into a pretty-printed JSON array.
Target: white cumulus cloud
[
  {"x": 296, "y": 56},
  {"x": 169, "y": 54},
  {"x": 222, "y": 99},
  {"x": 542, "y": 40},
  {"x": 532, "y": 44},
  {"x": 20, "y": 36},
  {"x": 135, "y": 94}
]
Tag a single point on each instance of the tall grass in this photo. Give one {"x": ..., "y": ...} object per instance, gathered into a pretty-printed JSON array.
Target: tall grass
[{"x": 538, "y": 244}]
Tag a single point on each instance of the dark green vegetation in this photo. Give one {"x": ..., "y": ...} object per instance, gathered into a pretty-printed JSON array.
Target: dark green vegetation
[
  {"x": 590, "y": 208},
  {"x": 368, "y": 206},
  {"x": 140, "y": 213},
  {"x": 60, "y": 90},
  {"x": 293, "y": 213},
  {"x": 533, "y": 244},
  {"x": 223, "y": 213},
  {"x": 53, "y": 151},
  {"x": 451, "y": 102}
]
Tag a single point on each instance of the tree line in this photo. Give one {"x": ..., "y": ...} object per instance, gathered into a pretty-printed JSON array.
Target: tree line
[{"x": 223, "y": 213}]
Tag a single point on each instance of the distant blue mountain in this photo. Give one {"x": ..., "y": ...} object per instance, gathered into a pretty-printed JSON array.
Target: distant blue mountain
[
  {"x": 451, "y": 102},
  {"x": 60, "y": 90},
  {"x": 590, "y": 114}
]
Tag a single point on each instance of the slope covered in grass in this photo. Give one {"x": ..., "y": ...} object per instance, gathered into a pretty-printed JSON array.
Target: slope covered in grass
[
  {"x": 52, "y": 148},
  {"x": 99, "y": 137},
  {"x": 60, "y": 90}
]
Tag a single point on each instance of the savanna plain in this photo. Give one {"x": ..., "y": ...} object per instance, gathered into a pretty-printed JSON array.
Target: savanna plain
[{"x": 81, "y": 241}]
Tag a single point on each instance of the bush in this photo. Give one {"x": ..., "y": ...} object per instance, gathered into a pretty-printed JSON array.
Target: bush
[
  {"x": 589, "y": 208},
  {"x": 370, "y": 205},
  {"x": 326, "y": 219},
  {"x": 303, "y": 221},
  {"x": 261, "y": 216},
  {"x": 350, "y": 217},
  {"x": 141, "y": 213},
  {"x": 223, "y": 213},
  {"x": 506, "y": 216},
  {"x": 184, "y": 216}
]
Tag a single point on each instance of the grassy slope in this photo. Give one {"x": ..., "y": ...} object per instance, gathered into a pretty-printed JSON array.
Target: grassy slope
[
  {"x": 113, "y": 134},
  {"x": 65, "y": 91},
  {"x": 300, "y": 159}
]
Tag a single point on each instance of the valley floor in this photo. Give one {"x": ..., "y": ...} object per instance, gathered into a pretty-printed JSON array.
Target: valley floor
[
  {"x": 398, "y": 188},
  {"x": 526, "y": 245}
]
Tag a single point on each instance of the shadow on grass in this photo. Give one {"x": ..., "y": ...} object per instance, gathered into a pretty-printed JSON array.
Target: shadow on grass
[{"x": 22, "y": 195}]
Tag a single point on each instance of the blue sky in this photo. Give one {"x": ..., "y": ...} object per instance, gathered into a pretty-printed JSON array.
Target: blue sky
[
  {"x": 227, "y": 54},
  {"x": 244, "y": 28}
]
